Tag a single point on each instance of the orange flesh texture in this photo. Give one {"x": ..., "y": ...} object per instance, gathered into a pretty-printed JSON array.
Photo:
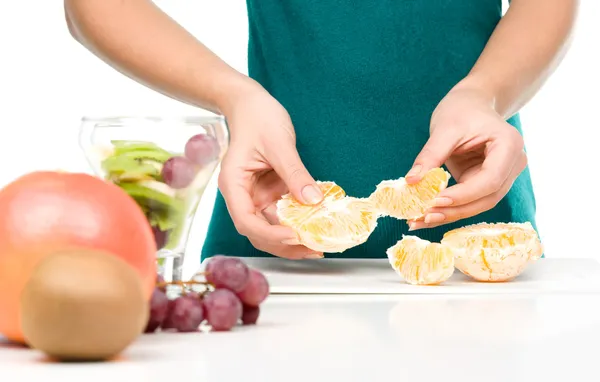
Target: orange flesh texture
[
  {"x": 334, "y": 224},
  {"x": 425, "y": 265},
  {"x": 410, "y": 201},
  {"x": 494, "y": 257}
]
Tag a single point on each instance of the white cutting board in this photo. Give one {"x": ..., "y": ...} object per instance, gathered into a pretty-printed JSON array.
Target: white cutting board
[{"x": 365, "y": 276}]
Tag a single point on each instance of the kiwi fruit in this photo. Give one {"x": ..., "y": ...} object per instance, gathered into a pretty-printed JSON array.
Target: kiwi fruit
[
  {"x": 83, "y": 305},
  {"x": 125, "y": 168},
  {"x": 127, "y": 146},
  {"x": 153, "y": 199},
  {"x": 135, "y": 161},
  {"x": 155, "y": 155}
]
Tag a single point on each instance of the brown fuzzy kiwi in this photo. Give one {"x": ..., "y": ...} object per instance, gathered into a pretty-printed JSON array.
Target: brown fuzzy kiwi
[{"x": 83, "y": 305}]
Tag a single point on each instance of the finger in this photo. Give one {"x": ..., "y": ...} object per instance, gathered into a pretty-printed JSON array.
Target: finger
[
  {"x": 435, "y": 152},
  {"x": 287, "y": 164},
  {"x": 444, "y": 215},
  {"x": 243, "y": 212},
  {"x": 270, "y": 214},
  {"x": 291, "y": 252},
  {"x": 495, "y": 170},
  {"x": 268, "y": 189}
]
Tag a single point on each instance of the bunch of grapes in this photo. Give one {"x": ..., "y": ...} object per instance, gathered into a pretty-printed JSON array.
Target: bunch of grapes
[{"x": 232, "y": 294}]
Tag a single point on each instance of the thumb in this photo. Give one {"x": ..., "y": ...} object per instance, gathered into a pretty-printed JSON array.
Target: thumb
[
  {"x": 287, "y": 164},
  {"x": 435, "y": 153}
]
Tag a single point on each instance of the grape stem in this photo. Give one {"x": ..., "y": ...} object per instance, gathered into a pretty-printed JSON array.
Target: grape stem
[
  {"x": 182, "y": 283},
  {"x": 186, "y": 285}
]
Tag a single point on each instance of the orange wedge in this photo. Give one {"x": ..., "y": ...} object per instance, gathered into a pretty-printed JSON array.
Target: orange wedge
[
  {"x": 421, "y": 262},
  {"x": 337, "y": 223},
  {"x": 400, "y": 200},
  {"x": 494, "y": 252}
]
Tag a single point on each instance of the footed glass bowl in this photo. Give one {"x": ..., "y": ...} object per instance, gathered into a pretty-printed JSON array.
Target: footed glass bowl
[{"x": 164, "y": 164}]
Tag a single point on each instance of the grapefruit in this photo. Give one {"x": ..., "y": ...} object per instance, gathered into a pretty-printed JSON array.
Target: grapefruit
[{"x": 44, "y": 212}]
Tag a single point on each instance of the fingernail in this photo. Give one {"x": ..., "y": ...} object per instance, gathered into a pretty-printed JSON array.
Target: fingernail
[
  {"x": 311, "y": 194},
  {"x": 442, "y": 202},
  {"x": 313, "y": 256},
  {"x": 415, "y": 170},
  {"x": 291, "y": 242},
  {"x": 434, "y": 218},
  {"x": 412, "y": 226}
]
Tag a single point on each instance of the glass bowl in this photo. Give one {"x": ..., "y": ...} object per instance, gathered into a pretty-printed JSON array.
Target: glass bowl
[{"x": 164, "y": 164}]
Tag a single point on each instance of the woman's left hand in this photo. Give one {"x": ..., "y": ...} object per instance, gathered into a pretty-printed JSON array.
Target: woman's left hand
[{"x": 481, "y": 150}]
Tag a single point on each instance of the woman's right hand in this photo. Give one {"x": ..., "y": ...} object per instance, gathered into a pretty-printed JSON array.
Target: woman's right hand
[{"x": 261, "y": 165}]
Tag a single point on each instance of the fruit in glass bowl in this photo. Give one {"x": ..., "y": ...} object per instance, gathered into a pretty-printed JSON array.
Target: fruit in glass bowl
[{"x": 164, "y": 164}]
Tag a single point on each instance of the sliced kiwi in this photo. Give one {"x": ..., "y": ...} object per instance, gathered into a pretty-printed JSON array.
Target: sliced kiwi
[
  {"x": 148, "y": 170},
  {"x": 162, "y": 219},
  {"x": 160, "y": 156},
  {"x": 123, "y": 168},
  {"x": 164, "y": 209},
  {"x": 154, "y": 200},
  {"x": 119, "y": 143},
  {"x": 191, "y": 206},
  {"x": 157, "y": 165},
  {"x": 128, "y": 146},
  {"x": 174, "y": 236},
  {"x": 167, "y": 212}
]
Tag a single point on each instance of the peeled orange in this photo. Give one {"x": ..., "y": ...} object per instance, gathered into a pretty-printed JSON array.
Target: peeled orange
[
  {"x": 401, "y": 200},
  {"x": 336, "y": 224},
  {"x": 494, "y": 252},
  {"x": 421, "y": 262}
]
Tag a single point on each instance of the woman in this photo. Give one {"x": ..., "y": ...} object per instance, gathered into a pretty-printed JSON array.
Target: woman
[{"x": 356, "y": 93}]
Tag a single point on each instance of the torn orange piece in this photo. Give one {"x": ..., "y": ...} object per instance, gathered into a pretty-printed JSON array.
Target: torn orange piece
[
  {"x": 337, "y": 223},
  {"x": 421, "y": 262},
  {"x": 401, "y": 200}
]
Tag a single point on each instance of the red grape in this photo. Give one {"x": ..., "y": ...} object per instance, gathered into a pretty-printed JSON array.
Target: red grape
[
  {"x": 256, "y": 289},
  {"x": 250, "y": 315},
  {"x": 202, "y": 149},
  {"x": 168, "y": 321},
  {"x": 159, "y": 280},
  {"x": 178, "y": 172},
  {"x": 227, "y": 272},
  {"x": 216, "y": 258},
  {"x": 160, "y": 237},
  {"x": 223, "y": 309},
  {"x": 186, "y": 314},
  {"x": 159, "y": 304}
]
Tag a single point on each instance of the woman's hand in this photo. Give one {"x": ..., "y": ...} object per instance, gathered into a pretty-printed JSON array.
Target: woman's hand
[
  {"x": 483, "y": 153},
  {"x": 262, "y": 164}
]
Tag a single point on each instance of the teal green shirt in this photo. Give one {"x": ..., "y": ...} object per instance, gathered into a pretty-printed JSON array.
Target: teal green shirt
[{"x": 360, "y": 80}]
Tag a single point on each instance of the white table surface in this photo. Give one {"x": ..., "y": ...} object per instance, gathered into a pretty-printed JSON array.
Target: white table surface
[
  {"x": 398, "y": 337},
  {"x": 376, "y": 276}
]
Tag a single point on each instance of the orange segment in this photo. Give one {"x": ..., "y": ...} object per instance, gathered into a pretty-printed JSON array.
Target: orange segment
[
  {"x": 336, "y": 224},
  {"x": 400, "y": 200},
  {"x": 421, "y": 262},
  {"x": 494, "y": 252}
]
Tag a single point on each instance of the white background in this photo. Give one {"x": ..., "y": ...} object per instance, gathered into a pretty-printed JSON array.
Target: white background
[{"x": 48, "y": 82}]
